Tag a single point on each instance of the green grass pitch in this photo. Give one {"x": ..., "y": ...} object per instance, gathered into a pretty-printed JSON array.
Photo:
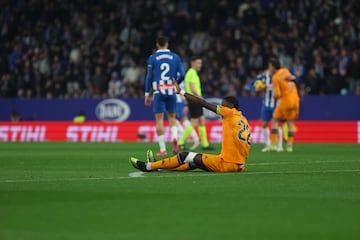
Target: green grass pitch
[{"x": 89, "y": 191}]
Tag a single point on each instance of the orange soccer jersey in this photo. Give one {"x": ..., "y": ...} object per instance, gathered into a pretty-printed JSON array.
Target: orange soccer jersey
[
  {"x": 285, "y": 90},
  {"x": 235, "y": 136},
  {"x": 235, "y": 146}
]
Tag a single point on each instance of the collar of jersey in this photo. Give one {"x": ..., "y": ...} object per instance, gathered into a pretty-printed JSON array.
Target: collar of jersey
[{"x": 163, "y": 50}]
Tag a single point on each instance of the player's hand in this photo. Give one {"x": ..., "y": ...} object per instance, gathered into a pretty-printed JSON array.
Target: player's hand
[
  {"x": 178, "y": 89},
  {"x": 290, "y": 78},
  {"x": 148, "y": 100}
]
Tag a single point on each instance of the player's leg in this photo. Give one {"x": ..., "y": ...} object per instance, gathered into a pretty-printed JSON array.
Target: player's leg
[
  {"x": 285, "y": 131},
  {"x": 277, "y": 116},
  {"x": 174, "y": 132},
  {"x": 274, "y": 133},
  {"x": 180, "y": 117},
  {"x": 214, "y": 163},
  {"x": 187, "y": 132},
  {"x": 203, "y": 134},
  {"x": 190, "y": 159},
  {"x": 185, "y": 161},
  {"x": 279, "y": 143},
  {"x": 290, "y": 140},
  {"x": 180, "y": 127},
  {"x": 159, "y": 121},
  {"x": 185, "y": 121},
  {"x": 266, "y": 116},
  {"x": 266, "y": 133},
  {"x": 193, "y": 134},
  {"x": 159, "y": 109},
  {"x": 171, "y": 107},
  {"x": 292, "y": 114},
  {"x": 190, "y": 127}
]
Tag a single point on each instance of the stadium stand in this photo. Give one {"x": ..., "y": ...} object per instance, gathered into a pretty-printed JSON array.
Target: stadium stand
[{"x": 71, "y": 49}]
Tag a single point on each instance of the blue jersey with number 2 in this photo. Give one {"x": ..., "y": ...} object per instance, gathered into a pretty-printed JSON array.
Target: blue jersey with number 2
[{"x": 163, "y": 67}]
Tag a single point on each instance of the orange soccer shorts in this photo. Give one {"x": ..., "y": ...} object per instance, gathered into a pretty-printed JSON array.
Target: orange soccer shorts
[
  {"x": 214, "y": 163},
  {"x": 286, "y": 110}
]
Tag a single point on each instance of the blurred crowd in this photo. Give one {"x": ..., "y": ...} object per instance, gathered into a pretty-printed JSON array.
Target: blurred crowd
[{"x": 94, "y": 49}]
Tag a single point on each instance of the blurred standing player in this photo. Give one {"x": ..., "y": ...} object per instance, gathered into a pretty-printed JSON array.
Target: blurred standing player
[
  {"x": 182, "y": 120},
  {"x": 263, "y": 83},
  {"x": 163, "y": 66},
  {"x": 287, "y": 108},
  {"x": 197, "y": 118}
]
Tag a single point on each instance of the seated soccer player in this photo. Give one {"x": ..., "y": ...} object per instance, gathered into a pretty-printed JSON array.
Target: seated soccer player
[{"x": 235, "y": 143}]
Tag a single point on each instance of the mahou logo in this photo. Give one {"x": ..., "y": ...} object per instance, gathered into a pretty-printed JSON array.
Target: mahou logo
[{"x": 112, "y": 110}]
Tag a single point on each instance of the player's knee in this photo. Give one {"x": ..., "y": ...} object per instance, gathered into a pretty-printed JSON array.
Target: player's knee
[
  {"x": 187, "y": 157},
  {"x": 192, "y": 165}
]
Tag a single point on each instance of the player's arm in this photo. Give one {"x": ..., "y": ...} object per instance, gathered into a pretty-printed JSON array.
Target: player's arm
[
  {"x": 277, "y": 92},
  {"x": 181, "y": 72},
  {"x": 148, "y": 79},
  {"x": 288, "y": 76},
  {"x": 195, "y": 99},
  {"x": 276, "y": 89},
  {"x": 148, "y": 82},
  {"x": 251, "y": 85}
]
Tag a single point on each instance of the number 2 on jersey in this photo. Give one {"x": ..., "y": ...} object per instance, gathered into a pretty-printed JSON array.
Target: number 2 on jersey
[{"x": 165, "y": 68}]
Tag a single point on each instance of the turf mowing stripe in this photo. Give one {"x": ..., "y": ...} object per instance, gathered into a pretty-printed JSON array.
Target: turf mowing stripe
[{"x": 202, "y": 174}]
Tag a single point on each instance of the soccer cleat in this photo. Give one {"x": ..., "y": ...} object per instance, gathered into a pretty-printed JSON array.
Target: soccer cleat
[
  {"x": 266, "y": 149},
  {"x": 289, "y": 148},
  {"x": 161, "y": 154},
  {"x": 136, "y": 163},
  {"x": 280, "y": 149},
  {"x": 208, "y": 148},
  {"x": 150, "y": 156},
  {"x": 272, "y": 148},
  {"x": 195, "y": 145},
  {"x": 175, "y": 147}
]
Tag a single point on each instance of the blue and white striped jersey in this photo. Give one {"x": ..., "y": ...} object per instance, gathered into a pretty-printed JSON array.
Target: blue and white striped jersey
[
  {"x": 163, "y": 66},
  {"x": 268, "y": 96}
]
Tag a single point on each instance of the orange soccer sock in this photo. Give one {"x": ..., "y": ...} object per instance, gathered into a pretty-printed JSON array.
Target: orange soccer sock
[
  {"x": 182, "y": 167},
  {"x": 166, "y": 163},
  {"x": 290, "y": 137},
  {"x": 274, "y": 136}
]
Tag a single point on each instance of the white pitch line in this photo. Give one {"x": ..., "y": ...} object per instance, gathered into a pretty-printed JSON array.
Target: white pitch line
[
  {"x": 295, "y": 162},
  {"x": 300, "y": 162},
  {"x": 136, "y": 174},
  {"x": 171, "y": 175}
]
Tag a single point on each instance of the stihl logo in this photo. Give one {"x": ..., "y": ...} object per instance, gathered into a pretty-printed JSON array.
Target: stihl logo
[
  {"x": 91, "y": 133},
  {"x": 22, "y": 133}
]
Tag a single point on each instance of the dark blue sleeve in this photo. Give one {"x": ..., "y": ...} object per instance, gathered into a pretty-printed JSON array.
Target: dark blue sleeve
[
  {"x": 148, "y": 79},
  {"x": 181, "y": 72},
  {"x": 250, "y": 85}
]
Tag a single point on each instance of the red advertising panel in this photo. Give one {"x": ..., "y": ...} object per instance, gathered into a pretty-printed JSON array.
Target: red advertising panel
[{"x": 133, "y": 131}]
